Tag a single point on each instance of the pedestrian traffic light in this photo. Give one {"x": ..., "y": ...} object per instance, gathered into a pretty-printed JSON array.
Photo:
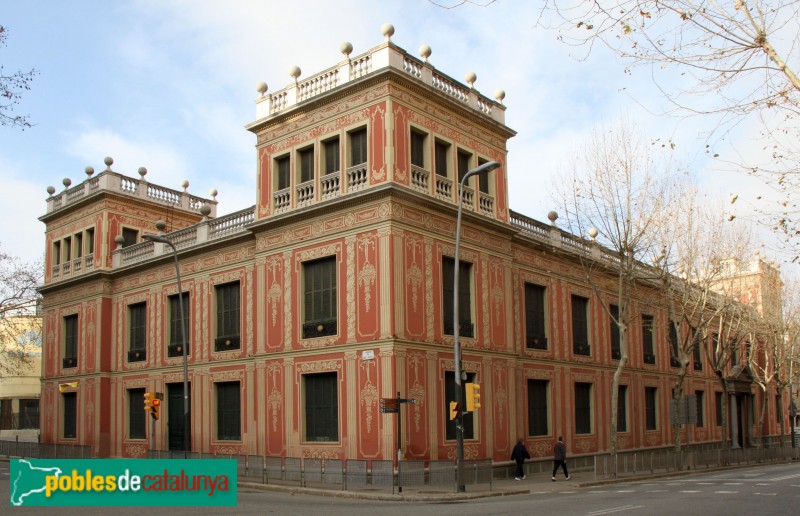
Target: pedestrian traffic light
[
  {"x": 455, "y": 408},
  {"x": 473, "y": 396},
  {"x": 155, "y": 406},
  {"x": 149, "y": 398}
]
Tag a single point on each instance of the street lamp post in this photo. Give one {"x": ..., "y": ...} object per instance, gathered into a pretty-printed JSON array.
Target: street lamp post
[
  {"x": 186, "y": 433},
  {"x": 482, "y": 169}
]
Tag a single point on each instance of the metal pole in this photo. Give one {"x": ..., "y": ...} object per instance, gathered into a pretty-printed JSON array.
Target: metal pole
[
  {"x": 399, "y": 444},
  {"x": 486, "y": 167},
  {"x": 186, "y": 423}
]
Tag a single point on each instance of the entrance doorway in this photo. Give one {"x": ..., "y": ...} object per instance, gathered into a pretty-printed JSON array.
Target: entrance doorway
[{"x": 175, "y": 431}]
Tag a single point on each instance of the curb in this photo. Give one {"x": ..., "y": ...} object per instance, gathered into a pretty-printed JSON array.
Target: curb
[{"x": 397, "y": 497}]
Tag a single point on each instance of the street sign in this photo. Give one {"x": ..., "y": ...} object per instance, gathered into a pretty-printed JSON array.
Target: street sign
[{"x": 390, "y": 406}]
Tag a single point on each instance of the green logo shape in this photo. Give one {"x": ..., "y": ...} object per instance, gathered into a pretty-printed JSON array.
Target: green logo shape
[{"x": 123, "y": 482}]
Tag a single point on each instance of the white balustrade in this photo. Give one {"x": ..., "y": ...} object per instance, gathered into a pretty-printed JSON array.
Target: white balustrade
[
  {"x": 330, "y": 185},
  {"x": 282, "y": 200},
  {"x": 419, "y": 179},
  {"x": 357, "y": 178},
  {"x": 486, "y": 204},
  {"x": 305, "y": 193},
  {"x": 444, "y": 188},
  {"x": 468, "y": 198}
]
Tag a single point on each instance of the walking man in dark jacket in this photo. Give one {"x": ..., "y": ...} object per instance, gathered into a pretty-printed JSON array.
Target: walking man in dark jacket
[
  {"x": 560, "y": 458},
  {"x": 519, "y": 454}
]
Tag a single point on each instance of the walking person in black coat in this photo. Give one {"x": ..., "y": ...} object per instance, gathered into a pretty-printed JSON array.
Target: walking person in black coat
[
  {"x": 560, "y": 458},
  {"x": 519, "y": 454}
]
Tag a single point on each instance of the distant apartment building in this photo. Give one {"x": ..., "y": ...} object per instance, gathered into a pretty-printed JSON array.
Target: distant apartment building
[
  {"x": 20, "y": 383},
  {"x": 335, "y": 290}
]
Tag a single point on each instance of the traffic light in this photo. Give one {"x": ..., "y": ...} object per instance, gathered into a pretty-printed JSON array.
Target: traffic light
[
  {"x": 473, "y": 396},
  {"x": 149, "y": 397},
  {"x": 155, "y": 406},
  {"x": 455, "y": 408}
]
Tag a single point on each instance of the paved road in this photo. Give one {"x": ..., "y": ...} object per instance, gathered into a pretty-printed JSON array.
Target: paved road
[{"x": 768, "y": 489}]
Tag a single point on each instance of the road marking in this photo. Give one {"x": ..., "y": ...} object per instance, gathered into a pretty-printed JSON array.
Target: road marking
[
  {"x": 762, "y": 484},
  {"x": 766, "y": 494},
  {"x": 598, "y": 491},
  {"x": 726, "y": 492},
  {"x": 614, "y": 509},
  {"x": 690, "y": 491},
  {"x": 732, "y": 483},
  {"x": 626, "y": 491},
  {"x": 787, "y": 477},
  {"x": 657, "y": 491}
]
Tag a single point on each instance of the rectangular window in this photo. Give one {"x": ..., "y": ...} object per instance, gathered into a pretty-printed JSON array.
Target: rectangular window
[
  {"x": 306, "y": 164},
  {"x": 701, "y": 401},
  {"x": 535, "y": 333},
  {"x": 319, "y": 294},
  {"x": 464, "y": 297},
  {"x": 418, "y": 139},
  {"x": 648, "y": 350},
  {"x": 228, "y": 319},
  {"x": 483, "y": 179},
  {"x": 697, "y": 357},
  {"x": 450, "y": 395},
  {"x": 537, "y": 407},
  {"x": 137, "y": 332},
  {"x": 90, "y": 241},
  {"x": 282, "y": 172},
  {"x": 580, "y": 325},
  {"x": 622, "y": 408},
  {"x": 650, "y": 408},
  {"x": 78, "y": 238},
  {"x": 735, "y": 354},
  {"x": 718, "y": 407},
  {"x": 673, "y": 346},
  {"x": 57, "y": 252},
  {"x": 70, "y": 341},
  {"x": 229, "y": 418},
  {"x": 176, "y": 339},
  {"x": 129, "y": 237},
  {"x": 583, "y": 408},
  {"x": 464, "y": 159},
  {"x": 331, "y": 155},
  {"x": 615, "y": 336},
  {"x": 70, "y": 400},
  {"x": 137, "y": 421},
  {"x": 28, "y": 414},
  {"x": 322, "y": 407},
  {"x": 68, "y": 247},
  {"x": 358, "y": 147},
  {"x": 441, "y": 150}
]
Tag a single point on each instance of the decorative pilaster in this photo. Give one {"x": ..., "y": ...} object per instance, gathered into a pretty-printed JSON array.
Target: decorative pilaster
[{"x": 351, "y": 388}]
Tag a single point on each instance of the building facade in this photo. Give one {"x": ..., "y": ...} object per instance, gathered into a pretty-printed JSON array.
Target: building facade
[
  {"x": 336, "y": 290},
  {"x": 20, "y": 383}
]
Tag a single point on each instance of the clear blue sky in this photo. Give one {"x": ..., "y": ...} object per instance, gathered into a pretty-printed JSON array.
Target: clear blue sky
[{"x": 169, "y": 85}]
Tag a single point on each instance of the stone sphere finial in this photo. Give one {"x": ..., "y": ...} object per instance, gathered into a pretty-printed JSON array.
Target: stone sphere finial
[
  {"x": 593, "y": 233},
  {"x": 51, "y": 190},
  {"x": 387, "y": 29},
  {"x": 66, "y": 182},
  {"x": 185, "y": 184},
  {"x": 213, "y": 193},
  {"x": 261, "y": 87},
  {"x": 499, "y": 95},
  {"x": 161, "y": 225},
  {"x": 552, "y": 217},
  {"x": 142, "y": 172},
  {"x": 119, "y": 240},
  {"x": 346, "y": 48},
  {"x": 108, "y": 161},
  {"x": 89, "y": 171},
  {"x": 425, "y": 52},
  {"x": 295, "y": 72},
  {"x": 470, "y": 77},
  {"x": 205, "y": 209}
]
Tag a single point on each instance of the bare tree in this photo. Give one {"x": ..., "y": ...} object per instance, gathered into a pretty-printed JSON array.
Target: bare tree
[
  {"x": 618, "y": 191},
  {"x": 18, "y": 310},
  {"x": 11, "y": 89}
]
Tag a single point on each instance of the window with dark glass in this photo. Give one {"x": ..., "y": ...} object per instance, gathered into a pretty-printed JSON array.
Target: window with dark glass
[
  {"x": 228, "y": 320},
  {"x": 321, "y": 407},
  {"x": 483, "y": 179},
  {"x": 137, "y": 332},
  {"x": 68, "y": 247},
  {"x": 306, "y": 164},
  {"x": 650, "y": 408},
  {"x": 331, "y": 155},
  {"x": 734, "y": 350},
  {"x": 358, "y": 147},
  {"x": 282, "y": 172},
  {"x": 319, "y": 294},
  {"x": 697, "y": 356},
  {"x": 718, "y": 407},
  {"x": 583, "y": 408},
  {"x": 418, "y": 148},
  {"x": 90, "y": 241},
  {"x": 129, "y": 237},
  {"x": 615, "y": 336},
  {"x": 464, "y": 159},
  {"x": 580, "y": 325},
  {"x": 175, "y": 347},
  {"x": 78, "y": 245},
  {"x": 57, "y": 252},
  {"x": 137, "y": 422},
  {"x": 648, "y": 350},
  {"x": 673, "y": 346},
  {"x": 450, "y": 395},
  {"x": 535, "y": 335},
  {"x": 465, "y": 325},
  {"x": 441, "y": 150},
  {"x": 700, "y": 397},
  {"x": 622, "y": 408},
  {"x": 70, "y": 400},
  {"x": 229, "y": 411},
  {"x": 537, "y": 407},
  {"x": 70, "y": 341},
  {"x": 28, "y": 414}
]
